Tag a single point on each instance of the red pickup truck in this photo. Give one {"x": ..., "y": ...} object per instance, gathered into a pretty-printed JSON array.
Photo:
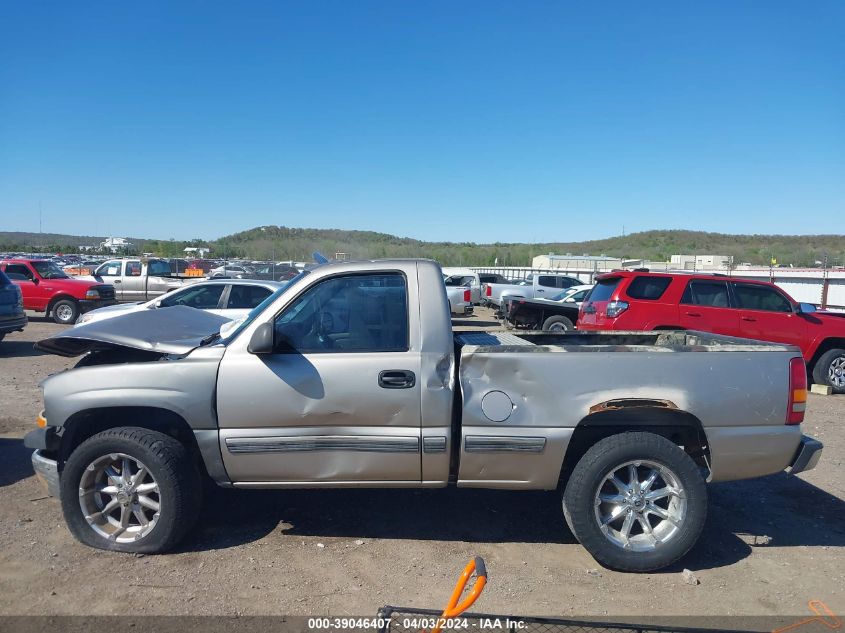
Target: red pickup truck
[
  {"x": 46, "y": 288},
  {"x": 634, "y": 300}
]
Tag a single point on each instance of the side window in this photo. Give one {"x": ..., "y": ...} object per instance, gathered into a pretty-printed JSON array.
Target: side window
[
  {"x": 548, "y": 281},
  {"x": 133, "y": 269},
  {"x": 109, "y": 269},
  {"x": 713, "y": 294},
  {"x": 246, "y": 297},
  {"x": 567, "y": 282},
  {"x": 19, "y": 271},
  {"x": 355, "y": 313},
  {"x": 158, "y": 268},
  {"x": 754, "y": 297},
  {"x": 648, "y": 288},
  {"x": 201, "y": 297}
]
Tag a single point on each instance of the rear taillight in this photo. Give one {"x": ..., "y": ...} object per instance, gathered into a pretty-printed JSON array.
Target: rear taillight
[
  {"x": 488, "y": 291},
  {"x": 467, "y": 296},
  {"x": 797, "y": 391},
  {"x": 615, "y": 308}
]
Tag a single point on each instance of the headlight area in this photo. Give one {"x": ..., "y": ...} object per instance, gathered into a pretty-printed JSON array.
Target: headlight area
[{"x": 92, "y": 293}]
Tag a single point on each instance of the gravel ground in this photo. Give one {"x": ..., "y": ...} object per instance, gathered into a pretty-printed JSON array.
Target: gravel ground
[{"x": 769, "y": 546}]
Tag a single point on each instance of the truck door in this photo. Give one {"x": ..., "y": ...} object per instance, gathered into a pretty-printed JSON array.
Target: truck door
[
  {"x": 767, "y": 315},
  {"x": 36, "y": 295},
  {"x": 132, "y": 284},
  {"x": 112, "y": 273},
  {"x": 338, "y": 400},
  {"x": 705, "y": 305},
  {"x": 546, "y": 286}
]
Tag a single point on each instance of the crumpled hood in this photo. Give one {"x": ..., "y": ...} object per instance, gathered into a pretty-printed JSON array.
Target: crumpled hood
[{"x": 175, "y": 330}]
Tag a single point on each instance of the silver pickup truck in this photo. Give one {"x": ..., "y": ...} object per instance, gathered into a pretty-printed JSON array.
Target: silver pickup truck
[
  {"x": 138, "y": 279},
  {"x": 351, "y": 376},
  {"x": 535, "y": 286}
]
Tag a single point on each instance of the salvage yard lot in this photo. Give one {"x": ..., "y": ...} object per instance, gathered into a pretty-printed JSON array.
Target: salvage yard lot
[{"x": 769, "y": 546}]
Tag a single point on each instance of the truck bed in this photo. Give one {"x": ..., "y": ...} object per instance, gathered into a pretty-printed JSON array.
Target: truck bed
[
  {"x": 611, "y": 341},
  {"x": 525, "y": 392}
]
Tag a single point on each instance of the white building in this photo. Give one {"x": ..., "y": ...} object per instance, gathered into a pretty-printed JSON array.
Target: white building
[
  {"x": 115, "y": 244},
  {"x": 580, "y": 262},
  {"x": 197, "y": 251},
  {"x": 701, "y": 262}
]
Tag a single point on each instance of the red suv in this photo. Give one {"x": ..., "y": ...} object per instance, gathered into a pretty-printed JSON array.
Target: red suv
[
  {"x": 760, "y": 310},
  {"x": 46, "y": 288}
]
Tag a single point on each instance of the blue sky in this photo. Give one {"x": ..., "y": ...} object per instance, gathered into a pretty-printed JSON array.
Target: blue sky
[{"x": 467, "y": 121}]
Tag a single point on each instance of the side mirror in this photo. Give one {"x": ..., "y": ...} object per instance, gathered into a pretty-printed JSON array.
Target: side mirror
[
  {"x": 262, "y": 340},
  {"x": 35, "y": 280},
  {"x": 806, "y": 308}
]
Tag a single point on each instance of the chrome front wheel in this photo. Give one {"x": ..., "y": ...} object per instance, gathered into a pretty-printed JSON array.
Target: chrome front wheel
[
  {"x": 131, "y": 489},
  {"x": 119, "y": 498}
]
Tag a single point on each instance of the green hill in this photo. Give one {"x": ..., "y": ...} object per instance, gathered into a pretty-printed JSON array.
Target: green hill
[{"x": 280, "y": 243}]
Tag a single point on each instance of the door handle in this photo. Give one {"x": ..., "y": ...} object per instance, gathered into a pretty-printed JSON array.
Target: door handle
[
  {"x": 396, "y": 379},
  {"x": 750, "y": 319},
  {"x": 116, "y": 281},
  {"x": 694, "y": 314}
]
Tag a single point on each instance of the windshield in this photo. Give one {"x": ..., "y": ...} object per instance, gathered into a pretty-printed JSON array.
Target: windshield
[
  {"x": 228, "y": 333},
  {"x": 48, "y": 270}
]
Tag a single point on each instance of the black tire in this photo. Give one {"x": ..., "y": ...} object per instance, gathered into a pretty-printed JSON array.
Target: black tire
[
  {"x": 170, "y": 465},
  {"x": 65, "y": 311},
  {"x": 587, "y": 480},
  {"x": 558, "y": 324},
  {"x": 822, "y": 369}
]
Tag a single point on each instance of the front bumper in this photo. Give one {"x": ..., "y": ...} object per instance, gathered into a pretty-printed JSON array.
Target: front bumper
[
  {"x": 47, "y": 472},
  {"x": 807, "y": 456},
  {"x": 14, "y": 324},
  {"x": 86, "y": 305}
]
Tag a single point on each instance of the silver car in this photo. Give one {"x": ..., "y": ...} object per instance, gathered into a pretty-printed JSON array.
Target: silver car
[{"x": 232, "y": 298}]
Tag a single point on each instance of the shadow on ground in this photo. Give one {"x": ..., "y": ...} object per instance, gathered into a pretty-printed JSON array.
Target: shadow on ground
[
  {"x": 15, "y": 461},
  {"x": 787, "y": 510},
  {"x": 10, "y": 348}
]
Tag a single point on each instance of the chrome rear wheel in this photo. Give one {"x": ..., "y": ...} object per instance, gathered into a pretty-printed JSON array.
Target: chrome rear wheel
[{"x": 640, "y": 505}]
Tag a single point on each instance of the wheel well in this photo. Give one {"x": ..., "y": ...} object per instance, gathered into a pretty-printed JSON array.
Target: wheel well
[
  {"x": 57, "y": 298},
  {"x": 824, "y": 346},
  {"x": 84, "y": 424},
  {"x": 680, "y": 427}
]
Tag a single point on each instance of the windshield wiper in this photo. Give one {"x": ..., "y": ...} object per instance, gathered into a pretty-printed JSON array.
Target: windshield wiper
[{"x": 209, "y": 339}]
